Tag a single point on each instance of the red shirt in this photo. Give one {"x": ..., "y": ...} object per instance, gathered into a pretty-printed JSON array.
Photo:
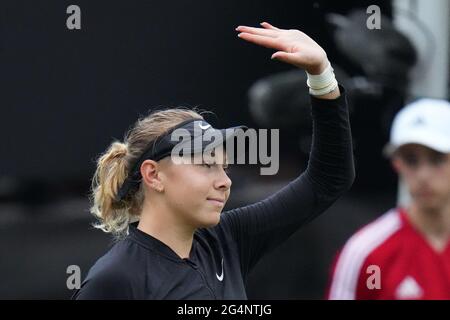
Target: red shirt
[{"x": 390, "y": 259}]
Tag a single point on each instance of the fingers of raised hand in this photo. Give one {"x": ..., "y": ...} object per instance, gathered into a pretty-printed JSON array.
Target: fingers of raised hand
[
  {"x": 264, "y": 41},
  {"x": 259, "y": 31}
]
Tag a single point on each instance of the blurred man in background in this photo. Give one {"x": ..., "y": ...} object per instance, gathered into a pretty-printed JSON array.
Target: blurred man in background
[{"x": 405, "y": 254}]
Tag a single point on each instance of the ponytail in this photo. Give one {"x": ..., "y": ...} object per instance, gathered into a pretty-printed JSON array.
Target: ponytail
[{"x": 112, "y": 170}]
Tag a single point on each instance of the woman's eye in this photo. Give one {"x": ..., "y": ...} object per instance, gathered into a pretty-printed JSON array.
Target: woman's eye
[{"x": 210, "y": 165}]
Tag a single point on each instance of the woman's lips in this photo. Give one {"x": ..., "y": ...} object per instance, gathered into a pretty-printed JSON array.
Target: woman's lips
[{"x": 216, "y": 201}]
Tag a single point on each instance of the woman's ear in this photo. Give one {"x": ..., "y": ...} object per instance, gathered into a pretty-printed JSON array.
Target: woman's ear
[{"x": 150, "y": 175}]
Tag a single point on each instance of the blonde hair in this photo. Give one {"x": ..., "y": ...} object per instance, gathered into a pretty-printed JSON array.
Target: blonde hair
[{"x": 113, "y": 167}]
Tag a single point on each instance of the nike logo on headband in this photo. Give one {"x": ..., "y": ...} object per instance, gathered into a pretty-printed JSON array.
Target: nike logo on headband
[{"x": 204, "y": 127}]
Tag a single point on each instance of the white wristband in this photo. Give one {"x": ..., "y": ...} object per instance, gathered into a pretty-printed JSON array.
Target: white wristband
[{"x": 322, "y": 83}]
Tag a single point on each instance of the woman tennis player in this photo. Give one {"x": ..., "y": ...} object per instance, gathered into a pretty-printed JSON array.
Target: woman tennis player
[{"x": 176, "y": 243}]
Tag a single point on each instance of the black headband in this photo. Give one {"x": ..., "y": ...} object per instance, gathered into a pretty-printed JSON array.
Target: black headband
[{"x": 193, "y": 132}]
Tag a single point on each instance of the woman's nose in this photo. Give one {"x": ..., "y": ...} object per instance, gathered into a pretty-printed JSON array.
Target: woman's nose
[{"x": 223, "y": 182}]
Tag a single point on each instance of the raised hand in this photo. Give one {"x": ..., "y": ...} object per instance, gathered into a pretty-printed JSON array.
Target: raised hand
[{"x": 293, "y": 46}]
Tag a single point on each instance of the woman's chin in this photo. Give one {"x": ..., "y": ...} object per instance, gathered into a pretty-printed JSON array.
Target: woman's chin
[{"x": 212, "y": 220}]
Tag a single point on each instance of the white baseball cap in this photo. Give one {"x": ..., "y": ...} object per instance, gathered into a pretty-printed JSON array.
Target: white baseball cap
[{"x": 425, "y": 122}]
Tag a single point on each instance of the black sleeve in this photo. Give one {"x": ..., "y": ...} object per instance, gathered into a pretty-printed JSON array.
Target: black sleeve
[
  {"x": 259, "y": 227},
  {"x": 106, "y": 285}
]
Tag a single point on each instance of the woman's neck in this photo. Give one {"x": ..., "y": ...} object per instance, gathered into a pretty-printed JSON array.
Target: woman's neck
[
  {"x": 434, "y": 224},
  {"x": 159, "y": 222}
]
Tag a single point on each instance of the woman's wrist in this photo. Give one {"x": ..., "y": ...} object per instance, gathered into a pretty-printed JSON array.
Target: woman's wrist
[
  {"x": 318, "y": 69},
  {"x": 323, "y": 83}
]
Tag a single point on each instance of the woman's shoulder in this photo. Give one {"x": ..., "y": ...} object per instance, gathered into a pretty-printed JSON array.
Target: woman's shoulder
[{"x": 109, "y": 277}]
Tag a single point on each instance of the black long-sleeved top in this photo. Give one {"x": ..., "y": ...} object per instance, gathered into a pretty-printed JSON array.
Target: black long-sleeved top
[{"x": 142, "y": 267}]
